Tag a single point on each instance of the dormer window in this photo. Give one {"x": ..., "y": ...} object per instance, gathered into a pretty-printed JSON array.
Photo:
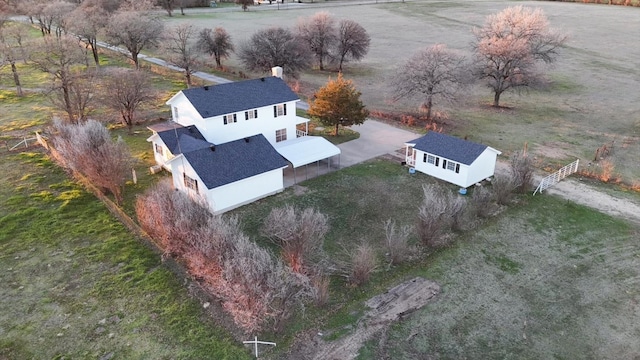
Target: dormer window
[
  {"x": 228, "y": 119},
  {"x": 251, "y": 114},
  {"x": 279, "y": 110}
]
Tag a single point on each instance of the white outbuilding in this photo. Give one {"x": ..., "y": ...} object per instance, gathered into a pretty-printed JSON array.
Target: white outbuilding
[{"x": 451, "y": 159}]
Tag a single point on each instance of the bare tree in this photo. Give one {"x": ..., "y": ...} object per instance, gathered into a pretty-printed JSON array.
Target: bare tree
[
  {"x": 216, "y": 43},
  {"x": 168, "y": 6},
  {"x": 89, "y": 149},
  {"x": 81, "y": 93},
  {"x": 57, "y": 56},
  {"x": 300, "y": 235},
  {"x": 11, "y": 52},
  {"x": 510, "y": 45},
  {"x": 430, "y": 74},
  {"x": 275, "y": 46},
  {"x": 86, "y": 22},
  {"x": 521, "y": 169},
  {"x": 125, "y": 91},
  {"x": 319, "y": 33},
  {"x": 135, "y": 31},
  {"x": 182, "y": 52},
  {"x": 353, "y": 42},
  {"x": 55, "y": 15},
  {"x": 244, "y": 3}
]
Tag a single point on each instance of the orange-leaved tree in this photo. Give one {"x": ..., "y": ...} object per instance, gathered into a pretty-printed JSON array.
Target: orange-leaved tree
[{"x": 338, "y": 103}]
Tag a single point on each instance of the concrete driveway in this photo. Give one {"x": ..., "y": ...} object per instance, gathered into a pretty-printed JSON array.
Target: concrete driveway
[{"x": 376, "y": 139}]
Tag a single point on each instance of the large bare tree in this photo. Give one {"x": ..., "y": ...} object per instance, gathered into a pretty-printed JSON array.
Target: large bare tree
[
  {"x": 135, "y": 31},
  {"x": 12, "y": 51},
  {"x": 216, "y": 43},
  {"x": 57, "y": 56},
  {"x": 319, "y": 32},
  {"x": 509, "y": 47},
  {"x": 124, "y": 91},
  {"x": 275, "y": 46},
  {"x": 430, "y": 74},
  {"x": 56, "y": 14},
  {"x": 86, "y": 22},
  {"x": 353, "y": 42},
  {"x": 182, "y": 50}
]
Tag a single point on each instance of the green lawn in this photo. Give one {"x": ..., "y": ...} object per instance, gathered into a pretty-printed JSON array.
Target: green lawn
[{"x": 76, "y": 284}]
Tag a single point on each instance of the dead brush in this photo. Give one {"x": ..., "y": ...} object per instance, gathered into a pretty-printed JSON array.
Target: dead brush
[{"x": 397, "y": 241}]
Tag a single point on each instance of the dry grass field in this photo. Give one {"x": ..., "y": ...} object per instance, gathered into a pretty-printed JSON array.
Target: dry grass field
[{"x": 591, "y": 100}]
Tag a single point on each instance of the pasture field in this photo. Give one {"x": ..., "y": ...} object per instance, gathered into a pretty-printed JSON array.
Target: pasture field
[
  {"x": 591, "y": 100},
  {"x": 76, "y": 284}
]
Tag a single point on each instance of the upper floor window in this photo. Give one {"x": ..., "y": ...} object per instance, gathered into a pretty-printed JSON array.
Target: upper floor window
[
  {"x": 281, "y": 135},
  {"x": 251, "y": 114},
  {"x": 228, "y": 119},
  {"x": 279, "y": 110},
  {"x": 158, "y": 149},
  {"x": 190, "y": 183}
]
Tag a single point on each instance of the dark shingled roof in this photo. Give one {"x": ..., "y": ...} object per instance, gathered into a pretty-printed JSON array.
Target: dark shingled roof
[
  {"x": 239, "y": 96},
  {"x": 235, "y": 160},
  {"x": 449, "y": 147},
  {"x": 170, "y": 138}
]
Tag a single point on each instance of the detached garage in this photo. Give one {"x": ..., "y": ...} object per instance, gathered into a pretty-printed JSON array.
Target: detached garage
[{"x": 454, "y": 160}]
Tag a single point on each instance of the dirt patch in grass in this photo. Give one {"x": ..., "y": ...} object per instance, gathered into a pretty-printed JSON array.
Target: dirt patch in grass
[{"x": 384, "y": 309}]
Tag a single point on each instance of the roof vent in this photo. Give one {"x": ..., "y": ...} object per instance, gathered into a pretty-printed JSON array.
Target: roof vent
[
  {"x": 246, "y": 139},
  {"x": 262, "y": 79},
  {"x": 212, "y": 148},
  {"x": 190, "y": 128},
  {"x": 206, "y": 88}
]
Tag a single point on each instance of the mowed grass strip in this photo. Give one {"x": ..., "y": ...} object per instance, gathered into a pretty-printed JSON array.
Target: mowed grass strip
[{"x": 75, "y": 284}]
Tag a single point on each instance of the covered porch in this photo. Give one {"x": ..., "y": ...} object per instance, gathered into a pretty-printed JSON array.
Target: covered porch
[
  {"x": 304, "y": 151},
  {"x": 410, "y": 154}
]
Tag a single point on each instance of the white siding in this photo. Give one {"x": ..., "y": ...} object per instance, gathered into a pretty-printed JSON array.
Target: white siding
[
  {"x": 482, "y": 168},
  {"x": 215, "y": 131},
  {"x": 230, "y": 196},
  {"x": 166, "y": 155},
  {"x": 186, "y": 114}
]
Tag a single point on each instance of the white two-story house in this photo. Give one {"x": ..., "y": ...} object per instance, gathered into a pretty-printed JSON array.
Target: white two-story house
[{"x": 230, "y": 143}]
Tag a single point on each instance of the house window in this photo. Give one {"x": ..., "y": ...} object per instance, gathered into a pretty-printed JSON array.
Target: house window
[
  {"x": 281, "y": 135},
  {"x": 251, "y": 114},
  {"x": 279, "y": 110},
  {"x": 430, "y": 159},
  {"x": 190, "y": 183},
  {"x": 159, "y": 149},
  {"x": 451, "y": 166},
  {"x": 175, "y": 113},
  {"x": 228, "y": 119}
]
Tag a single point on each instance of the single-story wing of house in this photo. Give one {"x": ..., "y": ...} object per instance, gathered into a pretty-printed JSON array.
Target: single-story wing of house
[
  {"x": 229, "y": 175},
  {"x": 451, "y": 159}
]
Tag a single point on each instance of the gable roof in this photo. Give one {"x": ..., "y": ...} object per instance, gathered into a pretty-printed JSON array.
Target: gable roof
[
  {"x": 235, "y": 160},
  {"x": 174, "y": 139},
  {"x": 238, "y": 96},
  {"x": 449, "y": 147}
]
